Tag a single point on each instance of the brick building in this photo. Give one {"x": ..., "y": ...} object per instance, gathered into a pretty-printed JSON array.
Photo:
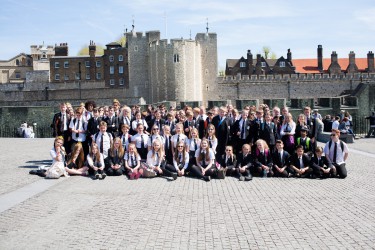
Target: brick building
[
  {"x": 14, "y": 70},
  {"x": 115, "y": 60}
]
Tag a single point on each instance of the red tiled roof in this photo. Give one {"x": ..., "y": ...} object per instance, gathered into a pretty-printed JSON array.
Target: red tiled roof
[{"x": 311, "y": 65}]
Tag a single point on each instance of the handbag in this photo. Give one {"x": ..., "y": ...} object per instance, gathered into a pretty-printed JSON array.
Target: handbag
[
  {"x": 147, "y": 172},
  {"x": 56, "y": 171}
]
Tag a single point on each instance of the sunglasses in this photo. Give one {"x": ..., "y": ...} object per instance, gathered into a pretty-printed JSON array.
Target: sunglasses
[
  {"x": 180, "y": 146},
  {"x": 155, "y": 129},
  {"x": 333, "y": 134}
]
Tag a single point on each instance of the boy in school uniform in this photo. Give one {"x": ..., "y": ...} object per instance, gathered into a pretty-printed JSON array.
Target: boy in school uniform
[
  {"x": 93, "y": 125},
  {"x": 103, "y": 139},
  {"x": 78, "y": 127},
  {"x": 337, "y": 152},
  {"x": 300, "y": 163},
  {"x": 280, "y": 160},
  {"x": 268, "y": 132},
  {"x": 240, "y": 131},
  {"x": 305, "y": 141},
  {"x": 244, "y": 163},
  {"x": 321, "y": 166},
  {"x": 112, "y": 122}
]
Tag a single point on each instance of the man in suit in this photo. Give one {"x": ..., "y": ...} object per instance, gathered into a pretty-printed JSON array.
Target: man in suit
[
  {"x": 60, "y": 126},
  {"x": 189, "y": 123},
  {"x": 280, "y": 160},
  {"x": 321, "y": 166},
  {"x": 240, "y": 131},
  {"x": 222, "y": 126},
  {"x": 255, "y": 128},
  {"x": 268, "y": 132},
  {"x": 300, "y": 163},
  {"x": 244, "y": 163}
]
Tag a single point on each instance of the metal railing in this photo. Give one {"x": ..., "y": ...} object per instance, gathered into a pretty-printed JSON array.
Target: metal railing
[{"x": 12, "y": 132}]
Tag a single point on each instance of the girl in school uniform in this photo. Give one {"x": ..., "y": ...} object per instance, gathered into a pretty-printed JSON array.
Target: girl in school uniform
[
  {"x": 115, "y": 160},
  {"x": 141, "y": 141},
  {"x": 205, "y": 158},
  {"x": 95, "y": 161},
  {"x": 138, "y": 120},
  {"x": 155, "y": 134},
  {"x": 262, "y": 159},
  {"x": 167, "y": 144},
  {"x": 76, "y": 160},
  {"x": 180, "y": 160},
  {"x": 192, "y": 144},
  {"x": 287, "y": 132},
  {"x": 133, "y": 163},
  {"x": 228, "y": 161},
  {"x": 179, "y": 136},
  {"x": 211, "y": 137},
  {"x": 156, "y": 162},
  {"x": 125, "y": 136}
]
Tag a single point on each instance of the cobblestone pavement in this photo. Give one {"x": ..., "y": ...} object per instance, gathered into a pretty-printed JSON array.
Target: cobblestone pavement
[{"x": 81, "y": 213}]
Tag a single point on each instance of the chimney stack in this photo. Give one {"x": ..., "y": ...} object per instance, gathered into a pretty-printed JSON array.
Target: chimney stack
[
  {"x": 249, "y": 57},
  {"x": 370, "y": 62},
  {"x": 335, "y": 67},
  {"x": 352, "y": 67},
  {"x": 320, "y": 58},
  {"x": 289, "y": 57}
]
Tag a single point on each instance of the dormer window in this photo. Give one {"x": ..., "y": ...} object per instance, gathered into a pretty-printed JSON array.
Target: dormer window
[
  {"x": 242, "y": 65},
  {"x": 263, "y": 64},
  {"x": 282, "y": 64}
]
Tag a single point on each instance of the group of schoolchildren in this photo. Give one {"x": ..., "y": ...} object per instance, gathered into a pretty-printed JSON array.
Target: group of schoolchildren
[{"x": 110, "y": 140}]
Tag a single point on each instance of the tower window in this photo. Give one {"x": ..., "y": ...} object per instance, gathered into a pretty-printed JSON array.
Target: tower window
[
  {"x": 111, "y": 58},
  {"x": 176, "y": 58}
]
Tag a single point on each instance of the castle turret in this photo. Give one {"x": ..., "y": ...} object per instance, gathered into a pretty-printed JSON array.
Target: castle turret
[
  {"x": 370, "y": 62},
  {"x": 352, "y": 67},
  {"x": 335, "y": 67},
  {"x": 320, "y": 58}
]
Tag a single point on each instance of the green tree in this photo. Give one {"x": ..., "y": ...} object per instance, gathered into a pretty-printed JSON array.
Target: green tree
[{"x": 85, "y": 50}]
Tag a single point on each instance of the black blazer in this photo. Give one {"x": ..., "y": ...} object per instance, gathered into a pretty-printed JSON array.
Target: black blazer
[
  {"x": 112, "y": 121},
  {"x": 244, "y": 161},
  {"x": 93, "y": 126},
  {"x": 188, "y": 124},
  {"x": 324, "y": 163},
  {"x": 268, "y": 133},
  {"x": 231, "y": 163},
  {"x": 294, "y": 161},
  {"x": 57, "y": 124},
  {"x": 262, "y": 159},
  {"x": 281, "y": 162},
  {"x": 153, "y": 121},
  {"x": 236, "y": 128}
]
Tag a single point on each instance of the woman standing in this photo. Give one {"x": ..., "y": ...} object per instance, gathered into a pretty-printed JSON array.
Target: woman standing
[{"x": 287, "y": 133}]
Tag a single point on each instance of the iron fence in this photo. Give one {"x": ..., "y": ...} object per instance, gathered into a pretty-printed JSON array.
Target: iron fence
[{"x": 12, "y": 132}]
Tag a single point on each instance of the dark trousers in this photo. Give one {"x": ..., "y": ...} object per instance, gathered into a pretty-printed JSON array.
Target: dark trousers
[
  {"x": 341, "y": 170},
  {"x": 283, "y": 174},
  {"x": 142, "y": 153},
  {"x": 197, "y": 171},
  {"x": 112, "y": 172},
  {"x": 245, "y": 174},
  {"x": 305, "y": 175}
]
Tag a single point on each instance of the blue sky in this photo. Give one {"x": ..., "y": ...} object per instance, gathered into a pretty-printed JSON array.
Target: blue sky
[{"x": 240, "y": 25}]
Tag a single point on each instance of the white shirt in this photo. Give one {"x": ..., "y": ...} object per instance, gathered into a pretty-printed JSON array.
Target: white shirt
[
  {"x": 292, "y": 127},
  {"x": 53, "y": 155},
  {"x": 335, "y": 124},
  {"x": 339, "y": 155},
  {"x": 153, "y": 161},
  {"x": 185, "y": 161},
  {"x": 174, "y": 138},
  {"x": 136, "y": 122},
  {"x": 137, "y": 138},
  {"x": 91, "y": 162},
  {"x": 82, "y": 126},
  {"x": 152, "y": 138},
  {"x": 107, "y": 138},
  {"x": 190, "y": 143},
  {"x": 130, "y": 158},
  {"x": 211, "y": 154}
]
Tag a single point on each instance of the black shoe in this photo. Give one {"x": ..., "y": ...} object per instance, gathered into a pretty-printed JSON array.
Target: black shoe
[
  {"x": 174, "y": 176},
  {"x": 97, "y": 176},
  {"x": 103, "y": 176},
  {"x": 207, "y": 178},
  {"x": 35, "y": 172},
  {"x": 248, "y": 178}
]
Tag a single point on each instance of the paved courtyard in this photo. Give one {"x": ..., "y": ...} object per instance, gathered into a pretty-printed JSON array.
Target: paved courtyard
[{"x": 81, "y": 213}]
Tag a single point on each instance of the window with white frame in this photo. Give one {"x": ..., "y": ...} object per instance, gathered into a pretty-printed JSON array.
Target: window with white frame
[
  {"x": 66, "y": 77},
  {"x": 111, "y": 58},
  {"x": 242, "y": 65},
  {"x": 135, "y": 48},
  {"x": 98, "y": 76},
  {"x": 111, "y": 81},
  {"x": 121, "y": 69},
  {"x": 98, "y": 64},
  {"x": 263, "y": 64},
  {"x": 282, "y": 64},
  {"x": 87, "y": 64},
  {"x": 88, "y": 76},
  {"x": 57, "y": 77},
  {"x": 66, "y": 64},
  {"x": 121, "y": 81},
  {"x": 57, "y": 65},
  {"x": 111, "y": 70},
  {"x": 78, "y": 76},
  {"x": 120, "y": 58}
]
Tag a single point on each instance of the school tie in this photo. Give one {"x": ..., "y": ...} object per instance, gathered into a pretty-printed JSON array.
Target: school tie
[
  {"x": 62, "y": 122},
  {"x": 133, "y": 161},
  {"x": 142, "y": 143},
  {"x": 157, "y": 159},
  {"x": 77, "y": 127},
  {"x": 209, "y": 141},
  {"x": 300, "y": 163},
  {"x": 166, "y": 146},
  {"x": 243, "y": 129},
  {"x": 94, "y": 159},
  {"x": 335, "y": 153},
  {"x": 101, "y": 144},
  {"x": 116, "y": 156},
  {"x": 123, "y": 141},
  {"x": 204, "y": 159},
  {"x": 178, "y": 138},
  {"x": 179, "y": 158},
  {"x": 281, "y": 158},
  {"x": 195, "y": 144}
]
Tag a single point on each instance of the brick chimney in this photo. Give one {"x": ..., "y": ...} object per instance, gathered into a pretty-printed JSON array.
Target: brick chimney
[
  {"x": 62, "y": 49},
  {"x": 352, "y": 67},
  {"x": 289, "y": 56},
  {"x": 92, "y": 49},
  {"x": 335, "y": 67},
  {"x": 258, "y": 67},
  {"x": 370, "y": 62},
  {"x": 320, "y": 58},
  {"x": 250, "y": 62}
]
